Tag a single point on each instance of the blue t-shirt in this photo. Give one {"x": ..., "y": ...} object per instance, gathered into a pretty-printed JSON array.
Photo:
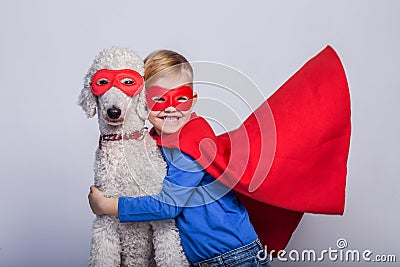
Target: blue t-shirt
[{"x": 210, "y": 218}]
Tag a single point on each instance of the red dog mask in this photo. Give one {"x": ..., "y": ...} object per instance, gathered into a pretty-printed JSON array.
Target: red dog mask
[
  {"x": 159, "y": 98},
  {"x": 128, "y": 81}
]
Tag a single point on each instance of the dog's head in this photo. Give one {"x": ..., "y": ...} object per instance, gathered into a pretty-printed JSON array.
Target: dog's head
[{"x": 113, "y": 104}]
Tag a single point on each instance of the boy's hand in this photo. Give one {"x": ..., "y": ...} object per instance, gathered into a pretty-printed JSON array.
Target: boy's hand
[{"x": 102, "y": 205}]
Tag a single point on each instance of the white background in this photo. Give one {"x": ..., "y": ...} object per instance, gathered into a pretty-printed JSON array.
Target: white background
[{"x": 48, "y": 145}]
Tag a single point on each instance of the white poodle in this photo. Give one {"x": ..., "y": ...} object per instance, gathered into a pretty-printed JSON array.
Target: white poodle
[{"x": 128, "y": 163}]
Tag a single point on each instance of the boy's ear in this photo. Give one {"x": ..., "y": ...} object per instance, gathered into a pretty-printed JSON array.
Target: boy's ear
[
  {"x": 141, "y": 107},
  {"x": 194, "y": 98},
  {"x": 88, "y": 102}
]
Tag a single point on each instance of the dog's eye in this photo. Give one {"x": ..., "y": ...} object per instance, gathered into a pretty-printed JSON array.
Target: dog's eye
[
  {"x": 102, "y": 81},
  {"x": 127, "y": 81},
  {"x": 158, "y": 99},
  {"x": 183, "y": 99}
]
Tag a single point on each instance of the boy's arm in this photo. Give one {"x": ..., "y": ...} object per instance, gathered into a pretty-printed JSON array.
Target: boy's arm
[
  {"x": 100, "y": 204},
  {"x": 184, "y": 175}
]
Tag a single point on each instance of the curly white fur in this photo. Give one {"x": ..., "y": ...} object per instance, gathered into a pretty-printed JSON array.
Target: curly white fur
[{"x": 129, "y": 167}]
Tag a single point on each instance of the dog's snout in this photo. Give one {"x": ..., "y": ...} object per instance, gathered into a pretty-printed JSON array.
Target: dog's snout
[{"x": 113, "y": 113}]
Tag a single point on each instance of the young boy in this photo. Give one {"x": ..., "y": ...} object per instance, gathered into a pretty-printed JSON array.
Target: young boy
[{"x": 214, "y": 225}]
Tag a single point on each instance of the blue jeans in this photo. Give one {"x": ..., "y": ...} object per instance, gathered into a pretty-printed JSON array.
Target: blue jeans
[{"x": 252, "y": 254}]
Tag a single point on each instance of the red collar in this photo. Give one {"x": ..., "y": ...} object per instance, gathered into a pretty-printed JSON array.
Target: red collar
[{"x": 136, "y": 135}]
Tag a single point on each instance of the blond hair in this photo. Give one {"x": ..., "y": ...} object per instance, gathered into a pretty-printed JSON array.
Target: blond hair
[{"x": 163, "y": 60}]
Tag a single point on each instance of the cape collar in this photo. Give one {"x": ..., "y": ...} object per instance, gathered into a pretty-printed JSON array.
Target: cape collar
[{"x": 170, "y": 139}]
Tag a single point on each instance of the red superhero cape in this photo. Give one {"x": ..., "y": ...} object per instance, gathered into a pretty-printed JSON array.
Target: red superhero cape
[{"x": 289, "y": 156}]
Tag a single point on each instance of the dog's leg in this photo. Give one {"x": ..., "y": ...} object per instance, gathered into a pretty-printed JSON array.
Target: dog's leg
[
  {"x": 137, "y": 245},
  {"x": 167, "y": 244},
  {"x": 106, "y": 246}
]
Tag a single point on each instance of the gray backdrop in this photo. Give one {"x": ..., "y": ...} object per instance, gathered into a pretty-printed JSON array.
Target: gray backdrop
[{"x": 48, "y": 144}]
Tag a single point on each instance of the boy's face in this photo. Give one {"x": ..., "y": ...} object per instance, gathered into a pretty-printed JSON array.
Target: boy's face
[{"x": 173, "y": 88}]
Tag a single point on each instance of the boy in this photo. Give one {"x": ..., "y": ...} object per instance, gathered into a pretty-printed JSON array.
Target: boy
[{"x": 214, "y": 225}]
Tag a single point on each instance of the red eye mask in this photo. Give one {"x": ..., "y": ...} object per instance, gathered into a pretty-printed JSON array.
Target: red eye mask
[
  {"x": 159, "y": 98},
  {"x": 128, "y": 81}
]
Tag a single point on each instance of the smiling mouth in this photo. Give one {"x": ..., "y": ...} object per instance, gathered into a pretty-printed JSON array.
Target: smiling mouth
[{"x": 170, "y": 118}]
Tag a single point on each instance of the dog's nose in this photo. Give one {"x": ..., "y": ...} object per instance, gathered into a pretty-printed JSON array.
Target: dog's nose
[{"x": 113, "y": 113}]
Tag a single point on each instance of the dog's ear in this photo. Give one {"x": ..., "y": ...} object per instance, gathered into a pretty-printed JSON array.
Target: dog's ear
[
  {"x": 88, "y": 102},
  {"x": 141, "y": 107}
]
